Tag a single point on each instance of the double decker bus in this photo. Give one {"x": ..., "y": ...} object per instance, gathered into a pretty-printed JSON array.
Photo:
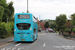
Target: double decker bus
[{"x": 25, "y": 27}]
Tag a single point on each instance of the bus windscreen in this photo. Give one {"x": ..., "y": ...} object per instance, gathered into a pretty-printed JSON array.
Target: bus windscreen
[
  {"x": 23, "y": 26},
  {"x": 23, "y": 16}
]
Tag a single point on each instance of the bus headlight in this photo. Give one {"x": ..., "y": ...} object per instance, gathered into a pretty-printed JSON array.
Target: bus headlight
[{"x": 14, "y": 29}]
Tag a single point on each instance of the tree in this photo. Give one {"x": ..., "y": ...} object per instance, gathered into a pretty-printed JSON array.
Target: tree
[
  {"x": 8, "y": 10},
  {"x": 46, "y": 25},
  {"x": 11, "y": 10},
  {"x": 53, "y": 25},
  {"x": 1, "y": 13},
  {"x": 60, "y": 21},
  {"x": 73, "y": 19}
]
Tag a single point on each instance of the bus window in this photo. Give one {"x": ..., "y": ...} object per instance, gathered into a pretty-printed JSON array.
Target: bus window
[
  {"x": 23, "y": 16},
  {"x": 23, "y": 26},
  {"x": 34, "y": 30}
]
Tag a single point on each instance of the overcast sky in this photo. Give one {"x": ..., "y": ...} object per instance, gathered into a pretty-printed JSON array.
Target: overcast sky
[{"x": 46, "y": 9}]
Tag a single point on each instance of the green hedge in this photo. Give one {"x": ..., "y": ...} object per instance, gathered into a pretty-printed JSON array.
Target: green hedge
[
  {"x": 10, "y": 27},
  {"x": 2, "y": 30},
  {"x": 6, "y": 29}
]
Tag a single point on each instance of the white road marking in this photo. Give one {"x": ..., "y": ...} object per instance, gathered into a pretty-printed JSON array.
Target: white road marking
[
  {"x": 44, "y": 45},
  {"x": 18, "y": 44},
  {"x": 8, "y": 48},
  {"x": 13, "y": 48},
  {"x": 19, "y": 48}
]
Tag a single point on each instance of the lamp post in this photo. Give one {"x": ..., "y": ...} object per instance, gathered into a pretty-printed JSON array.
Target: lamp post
[
  {"x": 27, "y": 6},
  {"x": 39, "y": 17}
]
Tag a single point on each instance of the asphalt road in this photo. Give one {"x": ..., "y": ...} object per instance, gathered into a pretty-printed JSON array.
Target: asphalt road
[{"x": 45, "y": 41}]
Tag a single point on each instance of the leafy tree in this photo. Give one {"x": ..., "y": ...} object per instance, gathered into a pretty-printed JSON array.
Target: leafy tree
[
  {"x": 73, "y": 30},
  {"x": 46, "y": 25},
  {"x": 53, "y": 25},
  {"x": 8, "y": 10},
  {"x": 1, "y": 13},
  {"x": 60, "y": 21},
  {"x": 73, "y": 19},
  {"x": 4, "y": 5},
  {"x": 11, "y": 11}
]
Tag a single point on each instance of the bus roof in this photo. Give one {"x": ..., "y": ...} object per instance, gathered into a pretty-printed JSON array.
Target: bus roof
[{"x": 23, "y": 13}]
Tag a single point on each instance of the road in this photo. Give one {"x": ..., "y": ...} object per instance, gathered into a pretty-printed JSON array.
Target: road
[{"x": 45, "y": 41}]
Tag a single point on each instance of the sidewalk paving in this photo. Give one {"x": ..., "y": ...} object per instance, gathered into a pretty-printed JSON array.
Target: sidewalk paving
[
  {"x": 7, "y": 40},
  {"x": 69, "y": 38}
]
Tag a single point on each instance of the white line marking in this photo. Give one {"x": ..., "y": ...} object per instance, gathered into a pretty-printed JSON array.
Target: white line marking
[
  {"x": 8, "y": 48},
  {"x": 13, "y": 48},
  {"x": 18, "y": 44},
  {"x": 44, "y": 45},
  {"x": 3, "y": 49}
]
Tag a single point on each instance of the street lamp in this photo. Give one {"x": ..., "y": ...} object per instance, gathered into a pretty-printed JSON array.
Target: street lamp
[{"x": 27, "y": 6}]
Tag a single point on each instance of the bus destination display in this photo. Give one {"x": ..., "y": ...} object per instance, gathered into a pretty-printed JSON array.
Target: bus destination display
[{"x": 23, "y": 16}]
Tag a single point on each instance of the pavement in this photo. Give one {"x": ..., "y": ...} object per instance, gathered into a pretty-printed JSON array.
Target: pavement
[
  {"x": 6, "y": 40},
  {"x": 70, "y": 38}
]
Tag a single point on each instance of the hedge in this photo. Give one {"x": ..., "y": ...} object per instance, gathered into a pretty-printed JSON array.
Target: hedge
[{"x": 6, "y": 29}]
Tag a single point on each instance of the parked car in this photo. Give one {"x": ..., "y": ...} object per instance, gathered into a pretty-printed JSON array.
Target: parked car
[
  {"x": 50, "y": 30},
  {"x": 39, "y": 30},
  {"x": 44, "y": 29}
]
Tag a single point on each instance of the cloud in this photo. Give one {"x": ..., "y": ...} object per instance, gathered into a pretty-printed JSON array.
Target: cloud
[{"x": 45, "y": 8}]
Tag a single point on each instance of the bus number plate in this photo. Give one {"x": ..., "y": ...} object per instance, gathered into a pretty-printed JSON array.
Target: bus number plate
[{"x": 22, "y": 39}]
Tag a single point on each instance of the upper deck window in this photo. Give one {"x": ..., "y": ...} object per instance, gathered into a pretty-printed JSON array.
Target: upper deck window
[
  {"x": 23, "y": 26},
  {"x": 23, "y": 16}
]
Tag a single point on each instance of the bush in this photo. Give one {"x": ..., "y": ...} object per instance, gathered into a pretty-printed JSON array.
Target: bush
[
  {"x": 10, "y": 27},
  {"x": 67, "y": 30},
  {"x": 3, "y": 32},
  {"x": 6, "y": 29},
  {"x": 73, "y": 30}
]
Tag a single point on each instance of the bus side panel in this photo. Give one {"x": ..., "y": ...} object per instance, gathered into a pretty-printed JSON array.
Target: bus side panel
[{"x": 35, "y": 34}]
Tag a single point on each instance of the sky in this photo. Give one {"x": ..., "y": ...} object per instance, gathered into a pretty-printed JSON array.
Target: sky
[{"x": 45, "y": 9}]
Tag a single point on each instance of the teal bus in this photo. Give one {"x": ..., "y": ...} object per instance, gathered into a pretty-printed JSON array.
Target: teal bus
[{"x": 25, "y": 27}]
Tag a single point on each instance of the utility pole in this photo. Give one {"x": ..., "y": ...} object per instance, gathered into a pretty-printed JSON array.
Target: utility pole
[
  {"x": 27, "y": 6},
  {"x": 39, "y": 17}
]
